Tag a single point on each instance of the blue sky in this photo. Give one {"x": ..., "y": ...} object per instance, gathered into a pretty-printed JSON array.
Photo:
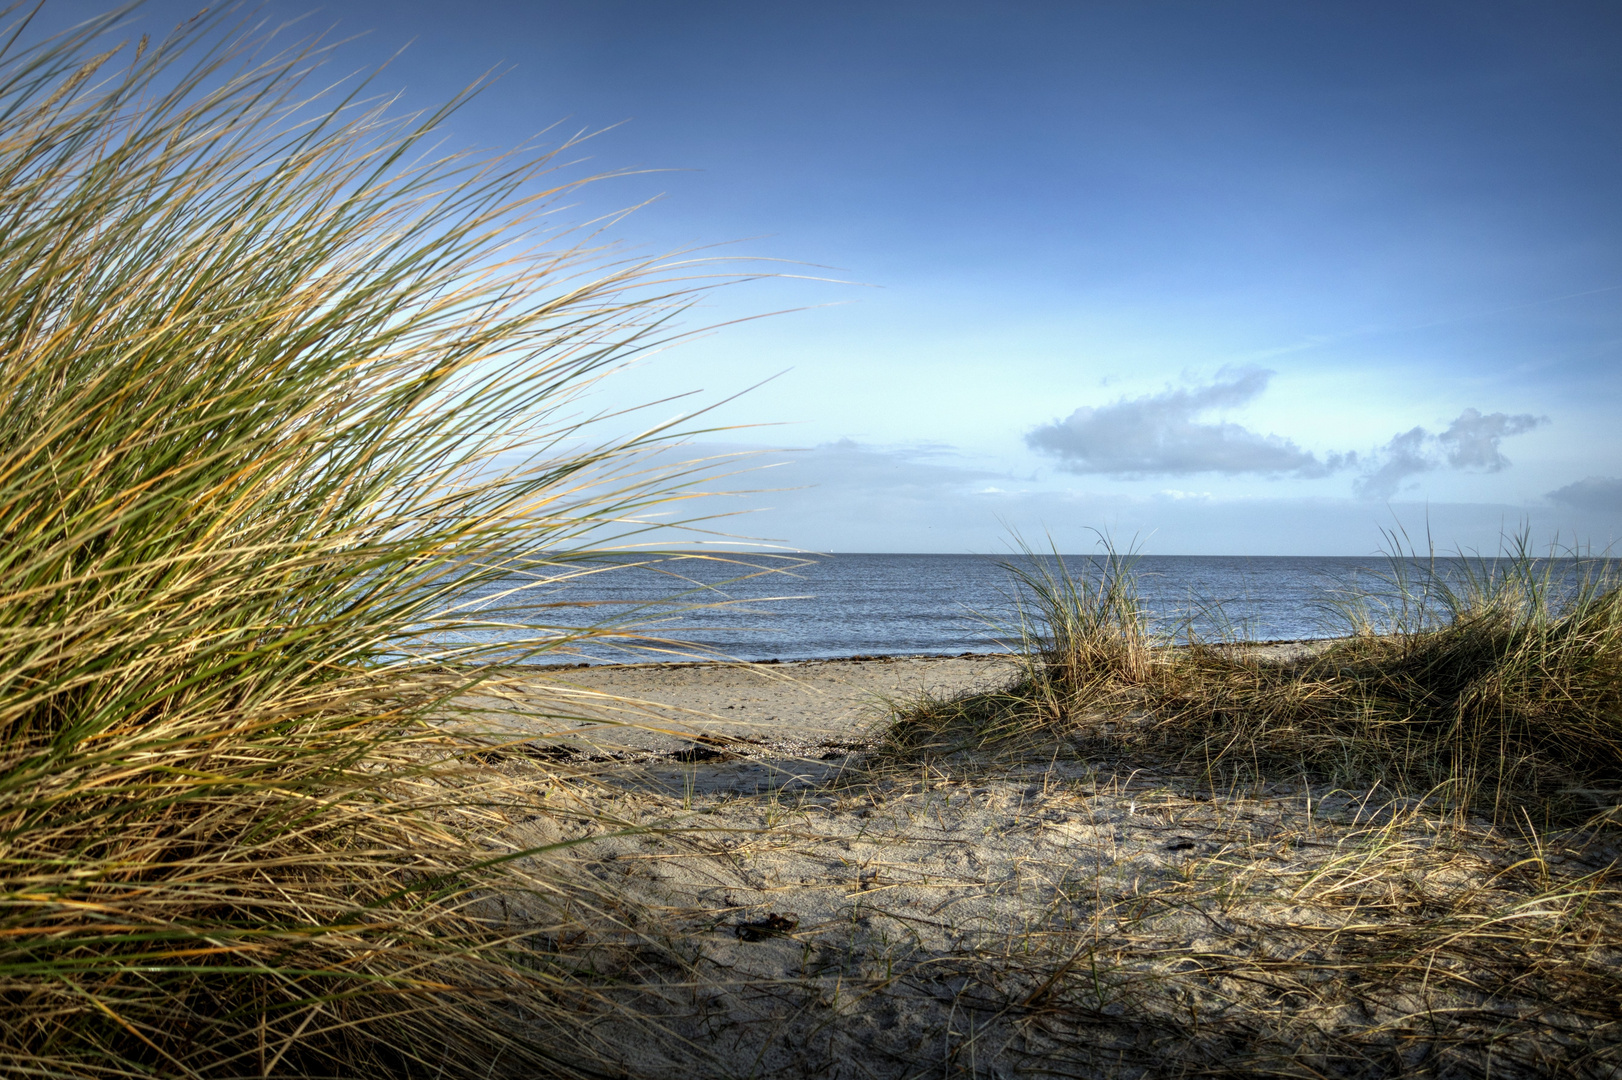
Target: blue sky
[{"x": 1231, "y": 277}]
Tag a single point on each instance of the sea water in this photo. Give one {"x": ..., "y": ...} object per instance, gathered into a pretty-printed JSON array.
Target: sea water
[{"x": 878, "y": 604}]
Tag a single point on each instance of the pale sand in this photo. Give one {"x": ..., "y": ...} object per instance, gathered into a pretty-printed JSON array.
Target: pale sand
[
  {"x": 781, "y": 708},
  {"x": 1057, "y": 917}
]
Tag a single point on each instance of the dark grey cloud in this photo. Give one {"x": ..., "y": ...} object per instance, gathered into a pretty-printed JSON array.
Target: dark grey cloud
[
  {"x": 1471, "y": 442},
  {"x": 1161, "y": 434},
  {"x": 1597, "y": 494}
]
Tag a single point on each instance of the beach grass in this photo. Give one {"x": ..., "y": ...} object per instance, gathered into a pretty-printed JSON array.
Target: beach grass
[{"x": 282, "y": 381}]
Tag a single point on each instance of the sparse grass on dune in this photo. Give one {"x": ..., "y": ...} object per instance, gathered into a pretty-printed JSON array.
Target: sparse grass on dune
[
  {"x": 264, "y": 362},
  {"x": 1500, "y": 679},
  {"x": 1433, "y": 886},
  {"x": 1070, "y": 917},
  {"x": 1495, "y": 682},
  {"x": 1084, "y": 641}
]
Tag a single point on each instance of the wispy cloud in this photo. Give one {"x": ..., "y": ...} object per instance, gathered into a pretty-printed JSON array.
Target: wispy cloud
[
  {"x": 1405, "y": 455},
  {"x": 1471, "y": 442},
  {"x": 1163, "y": 435}
]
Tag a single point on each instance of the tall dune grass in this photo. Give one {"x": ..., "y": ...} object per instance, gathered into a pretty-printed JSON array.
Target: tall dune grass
[{"x": 267, "y": 358}]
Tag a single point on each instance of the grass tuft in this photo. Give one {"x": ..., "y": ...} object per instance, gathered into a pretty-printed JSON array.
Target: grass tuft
[
  {"x": 1085, "y": 634},
  {"x": 1085, "y": 644}
]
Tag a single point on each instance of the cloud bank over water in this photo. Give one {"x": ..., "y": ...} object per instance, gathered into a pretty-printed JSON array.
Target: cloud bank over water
[
  {"x": 1595, "y": 494},
  {"x": 854, "y": 496}
]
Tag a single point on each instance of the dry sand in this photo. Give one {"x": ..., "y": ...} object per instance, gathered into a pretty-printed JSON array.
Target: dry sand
[
  {"x": 784, "y": 908},
  {"x": 785, "y": 707}
]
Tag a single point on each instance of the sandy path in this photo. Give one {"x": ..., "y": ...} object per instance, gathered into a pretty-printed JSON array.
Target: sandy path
[{"x": 1062, "y": 919}]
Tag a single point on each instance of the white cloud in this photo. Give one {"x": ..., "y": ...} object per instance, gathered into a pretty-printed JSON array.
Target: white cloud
[
  {"x": 1161, "y": 434},
  {"x": 1471, "y": 442},
  {"x": 1405, "y": 455}
]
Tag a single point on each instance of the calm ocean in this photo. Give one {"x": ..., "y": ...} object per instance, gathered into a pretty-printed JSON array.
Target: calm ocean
[{"x": 845, "y": 605}]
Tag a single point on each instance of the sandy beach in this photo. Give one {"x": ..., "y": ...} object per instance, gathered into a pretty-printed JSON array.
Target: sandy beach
[
  {"x": 788, "y": 905},
  {"x": 758, "y": 709}
]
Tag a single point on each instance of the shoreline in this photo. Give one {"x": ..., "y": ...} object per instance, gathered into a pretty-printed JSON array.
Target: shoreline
[{"x": 1268, "y": 643}]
